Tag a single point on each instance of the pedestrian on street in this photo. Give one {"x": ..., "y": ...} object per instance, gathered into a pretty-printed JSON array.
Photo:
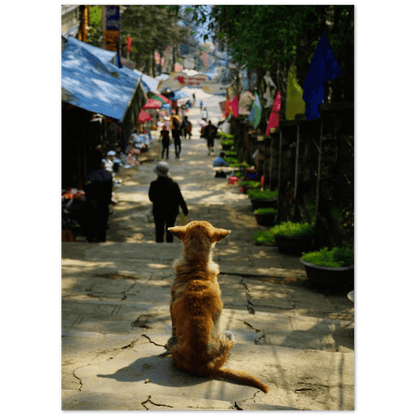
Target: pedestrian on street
[
  {"x": 210, "y": 132},
  {"x": 98, "y": 192},
  {"x": 200, "y": 105},
  {"x": 166, "y": 197},
  {"x": 176, "y": 133},
  {"x": 204, "y": 114},
  {"x": 165, "y": 141},
  {"x": 186, "y": 127}
]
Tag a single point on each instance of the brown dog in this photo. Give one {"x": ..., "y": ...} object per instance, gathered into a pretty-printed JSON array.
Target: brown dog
[{"x": 196, "y": 344}]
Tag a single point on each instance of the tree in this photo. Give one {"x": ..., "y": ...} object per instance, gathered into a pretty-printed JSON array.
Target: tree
[{"x": 152, "y": 29}]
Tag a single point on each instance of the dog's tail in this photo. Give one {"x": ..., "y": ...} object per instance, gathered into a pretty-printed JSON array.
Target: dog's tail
[{"x": 242, "y": 377}]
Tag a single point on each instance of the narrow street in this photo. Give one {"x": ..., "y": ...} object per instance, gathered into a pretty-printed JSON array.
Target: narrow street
[{"x": 116, "y": 320}]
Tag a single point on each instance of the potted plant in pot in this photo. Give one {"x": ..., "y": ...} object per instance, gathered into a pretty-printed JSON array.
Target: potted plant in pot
[
  {"x": 264, "y": 238},
  {"x": 293, "y": 237},
  {"x": 329, "y": 269},
  {"x": 247, "y": 185},
  {"x": 227, "y": 144},
  {"x": 262, "y": 198},
  {"x": 265, "y": 216}
]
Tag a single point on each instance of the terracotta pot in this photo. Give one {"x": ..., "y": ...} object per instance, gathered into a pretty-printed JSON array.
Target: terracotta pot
[{"x": 331, "y": 278}]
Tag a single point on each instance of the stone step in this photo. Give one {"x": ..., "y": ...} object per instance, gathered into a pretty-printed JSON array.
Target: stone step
[
  {"x": 86, "y": 400},
  {"x": 261, "y": 328},
  {"x": 124, "y": 370}
]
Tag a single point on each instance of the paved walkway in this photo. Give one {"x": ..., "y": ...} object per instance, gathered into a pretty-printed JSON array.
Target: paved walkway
[{"x": 115, "y": 313}]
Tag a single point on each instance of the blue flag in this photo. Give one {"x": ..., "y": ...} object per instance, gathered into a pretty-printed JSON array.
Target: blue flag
[
  {"x": 255, "y": 113},
  {"x": 324, "y": 67}
]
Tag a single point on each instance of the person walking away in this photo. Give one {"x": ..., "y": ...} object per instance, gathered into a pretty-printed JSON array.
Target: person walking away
[
  {"x": 186, "y": 127},
  {"x": 166, "y": 197},
  {"x": 210, "y": 132},
  {"x": 200, "y": 105},
  {"x": 98, "y": 191},
  {"x": 165, "y": 141},
  {"x": 176, "y": 134}
]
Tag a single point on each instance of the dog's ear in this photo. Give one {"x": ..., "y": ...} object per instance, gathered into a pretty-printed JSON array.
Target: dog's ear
[
  {"x": 178, "y": 231},
  {"x": 219, "y": 234}
]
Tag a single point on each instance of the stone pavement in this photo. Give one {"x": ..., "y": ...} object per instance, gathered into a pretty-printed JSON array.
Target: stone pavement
[{"x": 115, "y": 309}]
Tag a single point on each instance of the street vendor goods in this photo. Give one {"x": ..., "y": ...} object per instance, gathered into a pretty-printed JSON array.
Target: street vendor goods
[{"x": 196, "y": 345}]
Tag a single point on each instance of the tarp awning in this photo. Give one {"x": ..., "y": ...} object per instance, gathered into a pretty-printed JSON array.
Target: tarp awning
[{"x": 91, "y": 82}]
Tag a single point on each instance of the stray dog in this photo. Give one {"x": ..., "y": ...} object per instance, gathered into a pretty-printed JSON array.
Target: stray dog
[{"x": 196, "y": 344}]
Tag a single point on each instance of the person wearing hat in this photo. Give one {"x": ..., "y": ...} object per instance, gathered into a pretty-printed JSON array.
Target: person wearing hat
[{"x": 166, "y": 197}]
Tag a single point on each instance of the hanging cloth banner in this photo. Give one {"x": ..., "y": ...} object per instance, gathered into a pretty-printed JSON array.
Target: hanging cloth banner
[
  {"x": 234, "y": 106},
  {"x": 294, "y": 102},
  {"x": 274, "y": 115},
  {"x": 255, "y": 113},
  {"x": 324, "y": 67}
]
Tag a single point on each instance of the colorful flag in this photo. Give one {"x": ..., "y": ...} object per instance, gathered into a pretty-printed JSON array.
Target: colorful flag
[
  {"x": 226, "y": 108},
  {"x": 274, "y": 115},
  {"x": 294, "y": 102},
  {"x": 234, "y": 106},
  {"x": 324, "y": 67},
  {"x": 255, "y": 113}
]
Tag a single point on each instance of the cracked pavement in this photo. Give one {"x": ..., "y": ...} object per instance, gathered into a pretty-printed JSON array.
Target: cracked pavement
[{"x": 116, "y": 321}]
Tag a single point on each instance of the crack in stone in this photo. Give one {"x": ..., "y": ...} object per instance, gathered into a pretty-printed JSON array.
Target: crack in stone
[
  {"x": 158, "y": 345},
  {"x": 250, "y": 305},
  {"x": 80, "y": 381},
  {"x": 155, "y": 404}
]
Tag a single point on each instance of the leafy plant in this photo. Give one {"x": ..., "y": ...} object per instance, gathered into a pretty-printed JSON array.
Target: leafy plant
[
  {"x": 225, "y": 136},
  {"x": 231, "y": 160},
  {"x": 250, "y": 184},
  {"x": 337, "y": 257},
  {"x": 264, "y": 211},
  {"x": 297, "y": 229},
  {"x": 227, "y": 142},
  {"x": 264, "y": 237},
  {"x": 259, "y": 194},
  {"x": 230, "y": 153}
]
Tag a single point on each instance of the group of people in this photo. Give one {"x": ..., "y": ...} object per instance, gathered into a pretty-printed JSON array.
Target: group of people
[{"x": 177, "y": 129}]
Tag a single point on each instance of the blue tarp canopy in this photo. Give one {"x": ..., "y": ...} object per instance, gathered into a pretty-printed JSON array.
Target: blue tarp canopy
[
  {"x": 149, "y": 83},
  {"x": 91, "y": 82},
  {"x": 180, "y": 94}
]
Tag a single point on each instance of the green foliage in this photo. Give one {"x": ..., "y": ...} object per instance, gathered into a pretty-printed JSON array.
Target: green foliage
[
  {"x": 225, "y": 135},
  {"x": 227, "y": 142},
  {"x": 231, "y": 160},
  {"x": 238, "y": 174},
  {"x": 290, "y": 229},
  {"x": 265, "y": 211},
  {"x": 337, "y": 257},
  {"x": 230, "y": 153},
  {"x": 263, "y": 237},
  {"x": 250, "y": 184},
  {"x": 259, "y": 194}
]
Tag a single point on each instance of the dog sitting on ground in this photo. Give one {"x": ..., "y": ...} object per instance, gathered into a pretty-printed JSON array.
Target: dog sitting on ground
[{"x": 196, "y": 344}]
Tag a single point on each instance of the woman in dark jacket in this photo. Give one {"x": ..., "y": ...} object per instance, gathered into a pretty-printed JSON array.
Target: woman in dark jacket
[{"x": 166, "y": 197}]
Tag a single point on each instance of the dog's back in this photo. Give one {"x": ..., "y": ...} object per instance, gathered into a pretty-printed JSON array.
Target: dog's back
[{"x": 196, "y": 344}]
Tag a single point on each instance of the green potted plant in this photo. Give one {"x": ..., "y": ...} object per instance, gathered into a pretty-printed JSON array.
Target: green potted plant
[
  {"x": 262, "y": 198},
  {"x": 329, "y": 269},
  {"x": 247, "y": 185},
  {"x": 263, "y": 238},
  {"x": 293, "y": 237},
  {"x": 265, "y": 216},
  {"x": 227, "y": 144}
]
